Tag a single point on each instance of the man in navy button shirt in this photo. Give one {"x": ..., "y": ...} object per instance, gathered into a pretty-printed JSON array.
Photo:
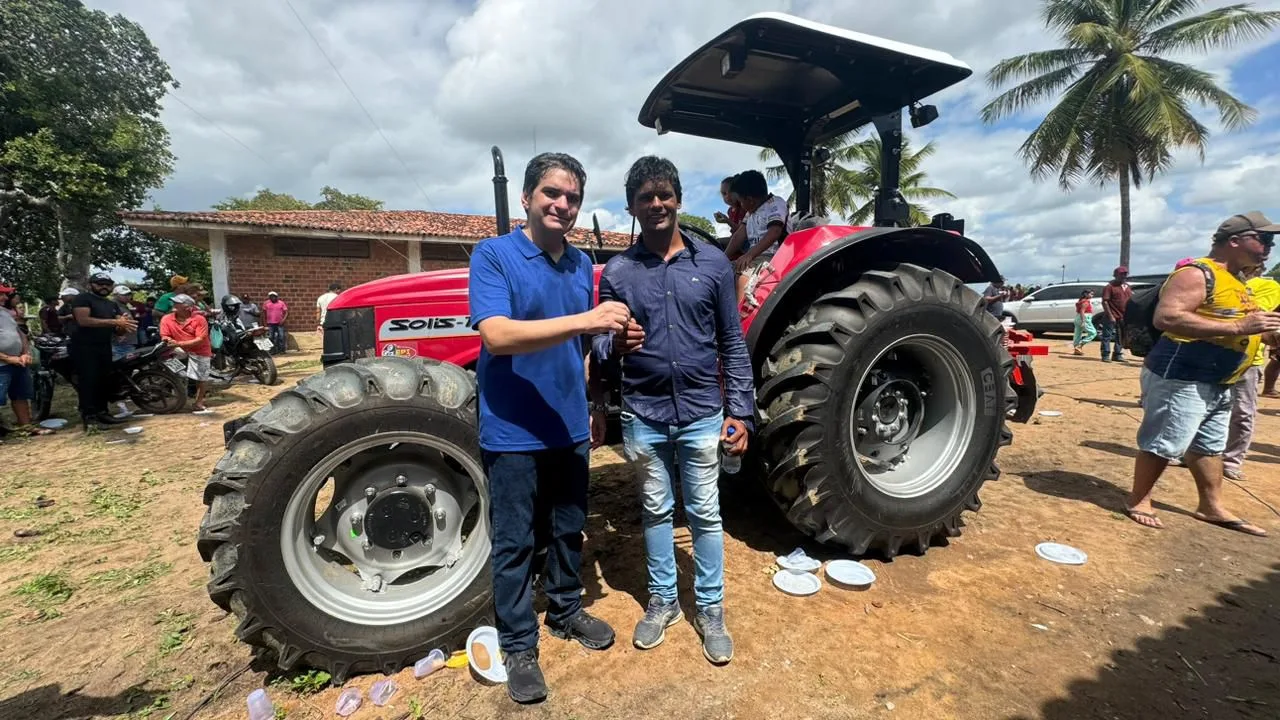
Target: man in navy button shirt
[
  {"x": 531, "y": 300},
  {"x": 683, "y": 341}
]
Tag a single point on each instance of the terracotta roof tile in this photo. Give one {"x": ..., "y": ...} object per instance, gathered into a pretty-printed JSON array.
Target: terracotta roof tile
[{"x": 389, "y": 222}]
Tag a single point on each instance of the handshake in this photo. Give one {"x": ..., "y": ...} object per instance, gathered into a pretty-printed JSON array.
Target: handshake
[{"x": 614, "y": 319}]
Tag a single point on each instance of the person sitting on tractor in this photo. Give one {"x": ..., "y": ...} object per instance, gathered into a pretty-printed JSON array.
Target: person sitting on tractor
[
  {"x": 674, "y": 411},
  {"x": 734, "y": 218},
  {"x": 530, "y": 297},
  {"x": 767, "y": 222}
]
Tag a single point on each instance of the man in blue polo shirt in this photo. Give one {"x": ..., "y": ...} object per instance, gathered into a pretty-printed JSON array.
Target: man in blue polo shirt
[
  {"x": 685, "y": 342},
  {"x": 531, "y": 300}
]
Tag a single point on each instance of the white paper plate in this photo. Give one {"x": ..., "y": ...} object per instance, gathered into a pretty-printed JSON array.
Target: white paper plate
[
  {"x": 798, "y": 561},
  {"x": 850, "y": 572},
  {"x": 1061, "y": 554},
  {"x": 133, "y": 429},
  {"x": 487, "y": 637},
  {"x": 796, "y": 583},
  {"x": 206, "y": 411},
  {"x": 54, "y": 423},
  {"x": 1051, "y": 413}
]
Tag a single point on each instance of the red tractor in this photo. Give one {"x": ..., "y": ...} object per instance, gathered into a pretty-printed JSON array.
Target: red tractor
[{"x": 348, "y": 522}]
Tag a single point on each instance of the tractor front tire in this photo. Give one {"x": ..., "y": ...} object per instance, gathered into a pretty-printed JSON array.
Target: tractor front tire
[
  {"x": 394, "y": 441},
  {"x": 883, "y": 409}
]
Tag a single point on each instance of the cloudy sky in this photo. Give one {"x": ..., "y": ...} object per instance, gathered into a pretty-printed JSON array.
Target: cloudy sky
[{"x": 446, "y": 79}]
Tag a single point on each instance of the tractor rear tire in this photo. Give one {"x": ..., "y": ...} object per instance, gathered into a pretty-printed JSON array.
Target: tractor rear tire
[
  {"x": 351, "y": 426},
  {"x": 896, "y": 339}
]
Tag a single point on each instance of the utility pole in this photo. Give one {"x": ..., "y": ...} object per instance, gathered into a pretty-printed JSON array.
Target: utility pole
[{"x": 1064, "y": 273}]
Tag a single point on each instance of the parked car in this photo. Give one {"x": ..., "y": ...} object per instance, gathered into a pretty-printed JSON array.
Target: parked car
[{"x": 1053, "y": 308}]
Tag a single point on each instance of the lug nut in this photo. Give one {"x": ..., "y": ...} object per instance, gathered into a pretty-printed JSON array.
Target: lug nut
[
  {"x": 369, "y": 492},
  {"x": 401, "y": 480},
  {"x": 430, "y": 490},
  {"x": 367, "y": 544},
  {"x": 440, "y": 514},
  {"x": 317, "y": 540}
]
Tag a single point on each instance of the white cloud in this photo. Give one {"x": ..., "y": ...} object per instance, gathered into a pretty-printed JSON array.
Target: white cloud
[{"x": 446, "y": 80}]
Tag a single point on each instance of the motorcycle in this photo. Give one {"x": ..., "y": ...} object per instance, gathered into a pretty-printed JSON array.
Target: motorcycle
[
  {"x": 153, "y": 377},
  {"x": 244, "y": 351}
]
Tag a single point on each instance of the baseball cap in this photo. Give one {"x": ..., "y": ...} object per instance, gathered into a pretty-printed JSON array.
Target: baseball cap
[
  {"x": 1121, "y": 270},
  {"x": 101, "y": 278},
  {"x": 68, "y": 292},
  {"x": 183, "y": 299},
  {"x": 273, "y": 292},
  {"x": 1250, "y": 221},
  {"x": 6, "y": 289},
  {"x": 122, "y": 290}
]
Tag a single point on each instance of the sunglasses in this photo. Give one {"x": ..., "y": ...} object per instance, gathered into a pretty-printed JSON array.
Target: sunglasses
[{"x": 1266, "y": 238}]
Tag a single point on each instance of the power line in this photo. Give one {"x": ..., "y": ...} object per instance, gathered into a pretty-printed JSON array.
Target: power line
[
  {"x": 373, "y": 122},
  {"x": 220, "y": 129}
]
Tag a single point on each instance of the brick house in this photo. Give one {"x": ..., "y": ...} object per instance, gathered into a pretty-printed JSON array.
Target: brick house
[{"x": 298, "y": 253}]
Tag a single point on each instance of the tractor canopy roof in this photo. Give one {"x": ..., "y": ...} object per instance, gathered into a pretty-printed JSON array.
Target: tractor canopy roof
[{"x": 777, "y": 80}]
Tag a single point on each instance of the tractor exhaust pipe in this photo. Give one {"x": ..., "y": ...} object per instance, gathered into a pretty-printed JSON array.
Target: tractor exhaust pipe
[{"x": 501, "y": 210}]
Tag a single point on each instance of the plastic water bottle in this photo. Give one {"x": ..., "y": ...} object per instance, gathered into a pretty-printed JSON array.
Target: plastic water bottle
[
  {"x": 260, "y": 706},
  {"x": 730, "y": 464}
]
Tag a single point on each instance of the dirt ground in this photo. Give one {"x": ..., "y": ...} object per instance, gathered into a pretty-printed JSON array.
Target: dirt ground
[{"x": 105, "y": 615}]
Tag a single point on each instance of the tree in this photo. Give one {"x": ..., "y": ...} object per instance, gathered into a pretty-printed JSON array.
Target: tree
[
  {"x": 80, "y": 134},
  {"x": 850, "y": 191},
  {"x": 331, "y": 199},
  {"x": 691, "y": 220},
  {"x": 1123, "y": 106}
]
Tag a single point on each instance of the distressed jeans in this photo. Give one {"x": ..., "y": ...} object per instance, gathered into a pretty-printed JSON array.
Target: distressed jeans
[
  {"x": 1244, "y": 410},
  {"x": 658, "y": 452}
]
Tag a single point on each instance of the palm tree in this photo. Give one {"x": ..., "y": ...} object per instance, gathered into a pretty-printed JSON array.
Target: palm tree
[
  {"x": 850, "y": 191},
  {"x": 1122, "y": 106}
]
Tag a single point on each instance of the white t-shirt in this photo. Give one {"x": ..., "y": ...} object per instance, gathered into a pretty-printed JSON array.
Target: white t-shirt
[
  {"x": 323, "y": 301},
  {"x": 770, "y": 211}
]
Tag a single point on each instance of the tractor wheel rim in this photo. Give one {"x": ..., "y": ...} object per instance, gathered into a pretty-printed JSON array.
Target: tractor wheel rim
[
  {"x": 411, "y": 572},
  {"x": 913, "y": 416}
]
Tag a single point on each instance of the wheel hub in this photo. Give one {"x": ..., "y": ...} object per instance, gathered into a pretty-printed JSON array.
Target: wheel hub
[
  {"x": 889, "y": 418},
  {"x": 398, "y": 519}
]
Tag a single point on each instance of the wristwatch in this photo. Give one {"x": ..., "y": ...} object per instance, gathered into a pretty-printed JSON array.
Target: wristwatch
[{"x": 599, "y": 407}]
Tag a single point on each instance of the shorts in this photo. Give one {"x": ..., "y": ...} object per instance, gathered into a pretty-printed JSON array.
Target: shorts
[
  {"x": 1181, "y": 416},
  {"x": 756, "y": 266},
  {"x": 15, "y": 383},
  {"x": 198, "y": 367}
]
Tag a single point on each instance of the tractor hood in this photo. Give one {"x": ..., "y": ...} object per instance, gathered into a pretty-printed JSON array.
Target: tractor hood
[
  {"x": 434, "y": 285},
  {"x": 774, "y": 78}
]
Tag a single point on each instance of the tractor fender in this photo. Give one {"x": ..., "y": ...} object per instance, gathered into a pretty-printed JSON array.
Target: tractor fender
[{"x": 813, "y": 262}]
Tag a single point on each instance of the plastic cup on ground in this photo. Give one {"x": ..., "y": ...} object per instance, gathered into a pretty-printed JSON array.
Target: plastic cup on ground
[
  {"x": 382, "y": 691},
  {"x": 429, "y": 664},
  {"x": 260, "y": 707},
  {"x": 348, "y": 702}
]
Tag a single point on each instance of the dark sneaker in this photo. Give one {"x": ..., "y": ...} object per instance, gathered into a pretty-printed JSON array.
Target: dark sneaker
[
  {"x": 525, "y": 683},
  {"x": 591, "y": 631},
  {"x": 717, "y": 644},
  {"x": 652, "y": 628}
]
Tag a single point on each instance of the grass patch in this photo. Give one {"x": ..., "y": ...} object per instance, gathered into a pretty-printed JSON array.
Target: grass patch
[
  {"x": 44, "y": 593},
  {"x": 17, "y": 677},
  {"x": 17, "y": 513},
  {"x": 106, "y": 502},
  {"x": 176, "y": 626},
  {"x": 182, "y": 537},
  {"x": 304, "y": 683},
  {"x": 17, "y": 552},
  {"x": 131, "y": 577},
  {"x": 300, "y": 365}
]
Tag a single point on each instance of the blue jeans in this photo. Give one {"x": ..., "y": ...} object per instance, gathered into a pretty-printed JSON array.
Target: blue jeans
[
  {"x": 536, "y": 499},
  {"x": 1111, "y": 332},
  {"x": 654, "y": 449},
  {"x": 278, "y": 340}
]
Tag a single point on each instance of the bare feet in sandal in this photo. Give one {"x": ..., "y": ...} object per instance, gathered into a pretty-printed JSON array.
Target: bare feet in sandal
[
  {"x": 1237, "y": 524},
  {"x": 1144, "y": 518}
]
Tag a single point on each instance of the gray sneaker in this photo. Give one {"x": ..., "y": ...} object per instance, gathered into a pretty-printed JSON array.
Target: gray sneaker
[
  {"x": 652, "y": 628},
  {"x": 717, "y": 644}
]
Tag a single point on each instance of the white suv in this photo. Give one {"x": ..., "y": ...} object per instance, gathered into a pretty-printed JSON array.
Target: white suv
[{"x": 1053, "y": 308}]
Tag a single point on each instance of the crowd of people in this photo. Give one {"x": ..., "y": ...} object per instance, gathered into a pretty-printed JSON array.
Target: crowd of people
[{"x": 107, "y": 321}]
